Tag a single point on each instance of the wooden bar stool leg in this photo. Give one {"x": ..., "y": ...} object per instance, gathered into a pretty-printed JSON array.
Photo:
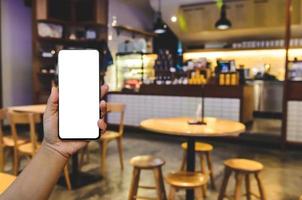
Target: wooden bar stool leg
[
  {"x": 204, "y": 191},
  {"x": 203, "y": 170},
  {"x": 202, "y": 164},
  {"x": 210, "y": 167},
  {"x": 67, "y": 178},
  {"x": 199, "y": 193},
  {"x": 134, "y": 184},
  {"x": 227, "y": 174},
  {"x": 120, "y": 150},
  {"x": 103, "y": 156},
  {"x": 82, "y": 157},
  {"x": 183, "y": 162},
  {"x": 162, "y": 183},
  {"x": 260, "y": 186},
  {"x": 239, "y": 178},
  {"x": 2, "y": 159},
  {"x": 16, "y": 163},
  {"x": 248, "y": 187},
  {"x": 172, "y": 193},
  {"x": 160, "y": 188}
]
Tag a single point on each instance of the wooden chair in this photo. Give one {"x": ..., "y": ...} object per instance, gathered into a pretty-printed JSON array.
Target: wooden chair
[
  {"x": 300, "y": 197},
  {"x": 186, "y": 180},
  {"x": 204, "y": 151},
  {"x": 28, "y": 149},
  {"x": 243, "y": 169},
  {"x": 147, "y": 162},
  {"x": 6, "y": 142},
  {"x": 6, "y": 181},
  {"x": 109, "y": 136}
]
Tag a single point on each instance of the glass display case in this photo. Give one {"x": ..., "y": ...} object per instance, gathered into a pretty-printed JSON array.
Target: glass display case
[{"x": 132, "y": 69}]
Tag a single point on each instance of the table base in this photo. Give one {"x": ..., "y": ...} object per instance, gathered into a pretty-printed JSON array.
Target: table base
[
  {"x": 190, "y": 164},
  {"x": 82, "y": 179}
]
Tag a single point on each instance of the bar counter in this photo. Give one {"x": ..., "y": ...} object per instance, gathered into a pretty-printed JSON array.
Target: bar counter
[{"x": 154, "y": 101}]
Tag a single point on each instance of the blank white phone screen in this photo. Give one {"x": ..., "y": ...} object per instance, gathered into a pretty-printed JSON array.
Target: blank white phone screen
[{"x": 78, "y": 94}]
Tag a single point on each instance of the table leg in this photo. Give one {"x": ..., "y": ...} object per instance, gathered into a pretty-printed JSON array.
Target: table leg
[
  {"x": 75, "y": 168},
  {"x": 190, "y": 164},
  {"x": 40, "y": 131}
]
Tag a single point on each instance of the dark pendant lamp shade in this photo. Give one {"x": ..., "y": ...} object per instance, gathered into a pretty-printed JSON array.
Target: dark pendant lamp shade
[
  {"x": 159, "y": 26},
  {"x": 223, "y": 23}
]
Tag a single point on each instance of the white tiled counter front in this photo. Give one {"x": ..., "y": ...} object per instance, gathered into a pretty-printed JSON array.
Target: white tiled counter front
[
  {"x": 294, "y": 121},
  {"x": 141, "y": 107}
]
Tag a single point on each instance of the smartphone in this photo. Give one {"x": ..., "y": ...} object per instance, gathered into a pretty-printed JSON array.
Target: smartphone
[{"x": 79, "y": 94}]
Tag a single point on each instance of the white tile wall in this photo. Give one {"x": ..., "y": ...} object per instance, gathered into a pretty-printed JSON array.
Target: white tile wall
[
  {"x": 140, "y": 107},
  {"x": 294, "y": 121}
]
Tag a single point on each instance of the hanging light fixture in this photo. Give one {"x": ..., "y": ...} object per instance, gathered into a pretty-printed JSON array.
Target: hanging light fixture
[
  {"x": 223, "y": 23},
  {"x": 159, "y": 26}
]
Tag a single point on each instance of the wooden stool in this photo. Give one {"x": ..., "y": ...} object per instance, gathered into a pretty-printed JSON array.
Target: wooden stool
[
  {"x": 147, "y": 163},
  {"x": 186, "y": 180},
  {"x": 204, "y": 151},
  {"x": 243, "y": 169}
]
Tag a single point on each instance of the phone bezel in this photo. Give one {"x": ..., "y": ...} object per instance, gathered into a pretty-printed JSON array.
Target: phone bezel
[{"x": 99, "y": 97}]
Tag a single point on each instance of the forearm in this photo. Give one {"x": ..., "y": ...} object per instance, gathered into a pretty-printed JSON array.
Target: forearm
[{"x": 39, "y": 177}]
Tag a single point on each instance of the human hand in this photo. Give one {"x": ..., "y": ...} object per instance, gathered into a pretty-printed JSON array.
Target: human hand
[{"x": 50, "y": 122}]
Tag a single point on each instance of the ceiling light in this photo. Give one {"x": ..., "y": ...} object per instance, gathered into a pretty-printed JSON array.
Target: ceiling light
[
  {"x": 173, "y": 19},
  {"x": 159, "y": 25},
  {"x": 223, "y": 23}
]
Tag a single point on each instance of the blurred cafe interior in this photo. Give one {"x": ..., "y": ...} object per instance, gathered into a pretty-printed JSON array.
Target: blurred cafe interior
[{"x": 198, "y": 89}]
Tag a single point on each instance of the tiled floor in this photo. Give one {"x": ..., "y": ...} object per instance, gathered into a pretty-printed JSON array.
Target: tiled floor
[{"x": 282, "y": 176}]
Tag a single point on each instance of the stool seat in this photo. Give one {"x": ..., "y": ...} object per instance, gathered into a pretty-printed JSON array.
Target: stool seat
[
  {"x": 186, "y": 179},
  {"x": 146, "y": 162},
  {"x": 244, "y": 165},
  {"x": 199, "y": 147}
]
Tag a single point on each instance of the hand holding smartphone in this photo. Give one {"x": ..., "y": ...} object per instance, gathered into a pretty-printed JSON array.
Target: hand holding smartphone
[{"x": 79, "y": 94}]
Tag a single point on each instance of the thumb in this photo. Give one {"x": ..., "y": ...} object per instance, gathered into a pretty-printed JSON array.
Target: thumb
[{"x": 53, "y": 100}]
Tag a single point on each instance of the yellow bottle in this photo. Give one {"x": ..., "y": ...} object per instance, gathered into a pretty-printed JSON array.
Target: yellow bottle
[
  {"x": 221, "y": 79},
  {"x": 227, "y": 79},
  {"x": 233, "y": 79}
]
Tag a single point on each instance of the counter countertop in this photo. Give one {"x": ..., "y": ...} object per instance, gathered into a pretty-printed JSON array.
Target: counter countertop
[{"x": 191, "y": 90}]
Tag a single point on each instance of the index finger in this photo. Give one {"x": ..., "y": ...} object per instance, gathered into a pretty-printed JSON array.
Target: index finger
[{"x": 104, "y": 90}]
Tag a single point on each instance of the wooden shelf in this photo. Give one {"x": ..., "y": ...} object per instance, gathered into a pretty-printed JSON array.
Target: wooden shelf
[
  {"x": 71, "y": 15},
  {"x": 67, "y": 41},
  {"x": 69, "y": 23},
  {"x": 120, "y": 28},
  {"x": 51, "y": 21}
]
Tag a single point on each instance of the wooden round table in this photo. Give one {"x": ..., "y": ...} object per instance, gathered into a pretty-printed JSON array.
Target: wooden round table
[{"x": 180, "y": 127}]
